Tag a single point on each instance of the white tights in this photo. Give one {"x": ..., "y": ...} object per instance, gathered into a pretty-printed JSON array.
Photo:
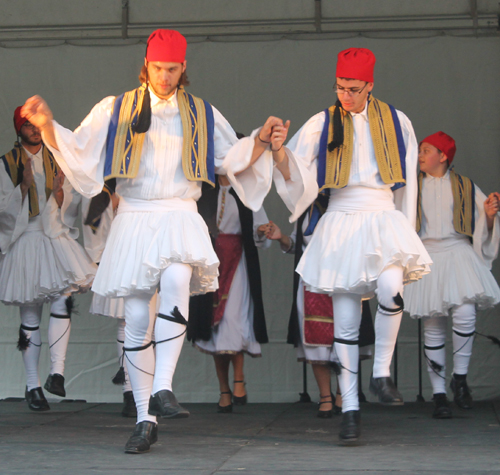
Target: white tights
[
  {"x": 347, "y": 316},
  {"x": 58, "y": 337},
  {"x": 464, "y": 325},
  {"x": 146, "y": 377}
]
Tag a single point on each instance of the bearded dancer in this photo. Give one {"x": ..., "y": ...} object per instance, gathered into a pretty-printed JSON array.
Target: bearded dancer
[
  {"x": 365, "y": 153},
  {"x": 160, "y": 143},
  {"x": 40, "y": 260}
]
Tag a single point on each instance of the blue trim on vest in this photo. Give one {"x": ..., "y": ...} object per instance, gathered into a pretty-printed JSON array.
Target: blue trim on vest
[
  {"x": 315, "y": 213},
  {"x": 323, "y": 146},
  {"x": 401, "y": 146},
  {"x": 210, "y": 141},
  {"x": 110, "y": 140}
]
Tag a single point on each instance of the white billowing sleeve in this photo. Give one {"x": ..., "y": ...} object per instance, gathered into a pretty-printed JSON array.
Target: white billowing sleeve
[
  {"x": 260, "y": 218},
  {"x": 14, "y": 214},
  {"x": 405, "y": 197},
  {"x": 233, "y": 155},
  {"x": 485, "y": 242},
  {"x": 82, "y": 153},
  {"x": 57, "y": 221},
  {"x": 302, "y": 150}
]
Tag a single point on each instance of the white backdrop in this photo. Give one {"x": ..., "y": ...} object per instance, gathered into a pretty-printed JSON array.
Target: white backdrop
[{"x": 441, "y": 83}]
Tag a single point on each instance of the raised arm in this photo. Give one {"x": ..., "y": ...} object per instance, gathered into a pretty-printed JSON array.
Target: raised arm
[{"x": 37, "y": 111}]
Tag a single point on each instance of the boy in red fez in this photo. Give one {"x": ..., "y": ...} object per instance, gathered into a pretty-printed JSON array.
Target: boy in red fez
[
  {"x": 462, "y": 251},
  {"x": 160, "y": 143},
  {"x": 41, "y": 260},
  {"x": 365, "y": 242}
]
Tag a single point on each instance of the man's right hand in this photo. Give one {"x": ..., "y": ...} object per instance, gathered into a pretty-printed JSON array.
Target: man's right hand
[
  {"x": 37, "y": 111},
  {"x": 28, "y": 178}
]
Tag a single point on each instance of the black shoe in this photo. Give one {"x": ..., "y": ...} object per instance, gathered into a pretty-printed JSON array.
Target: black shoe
[
  {"x": 129, "y": 409},
  {"x": 225, "y": 409},
  {"x": 165, "y": 404},
  {"x": 441, "y": 407},
  {"x": 386, "y": 391},
  {"x": 144, "y": 436},
  {"x": 350, "y": 428},
  {"x": 325, "y": 414},
  {"x": 240, "y": 400},
  {"x": 55, "y": 384},
  {"x": 461, "y": 393},
  {"x": 36, "y": 400}
]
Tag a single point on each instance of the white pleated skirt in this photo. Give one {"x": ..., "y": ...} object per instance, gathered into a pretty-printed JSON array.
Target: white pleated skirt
[
  {"x": 107, "y": 307},
  {"x": 145, "y": 238},
  {"x": 359, "y": 236},
  {"x": 235, "y": 333},
  {"x": 37, "y": 268},
  {"x": 458, "y": 276}
]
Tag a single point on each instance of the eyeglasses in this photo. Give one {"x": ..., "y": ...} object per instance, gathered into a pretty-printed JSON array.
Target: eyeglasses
[
  {"x": 351, "y": 91},
  {"x": 29, "y": 125}
]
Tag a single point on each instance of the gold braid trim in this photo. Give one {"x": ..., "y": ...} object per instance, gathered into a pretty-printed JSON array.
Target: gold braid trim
[
  {"x": 338, "y": 162},
  {"x": 385, "y": 142},
  {"x": 463, "y": 203},
  {"x": 385, "y": 145},
  {"x": 195, "y": 140},
  {"x": 50, "y": 168},
  {"x": 419, "y": 202},
  {"x": 126, "y": 141},
  {"x": 318, "y": 318}
]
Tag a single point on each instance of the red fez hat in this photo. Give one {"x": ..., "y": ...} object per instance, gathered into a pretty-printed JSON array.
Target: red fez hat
[
  {"x": 19, "y": 120},
  {"x": 444, "y": 143},
  {"x": 356, "y": 63},
  {"x": 167, "y": 46}
]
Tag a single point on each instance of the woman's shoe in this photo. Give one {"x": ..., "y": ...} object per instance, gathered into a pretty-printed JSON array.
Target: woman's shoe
[
  {"x": 225, "y": 409},
  {"x": 325, "y": 414},
  {"x": 240, "y": 400}
]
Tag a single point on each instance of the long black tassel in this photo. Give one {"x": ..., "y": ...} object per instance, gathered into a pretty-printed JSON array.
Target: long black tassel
[
  {"x": 144, "y": 121},
  {"x": 338, "y": 129},
  {"x": 23, "y": 342},
  {"x": 119, "y": 377},
  {"x": 70, "y": 305}
]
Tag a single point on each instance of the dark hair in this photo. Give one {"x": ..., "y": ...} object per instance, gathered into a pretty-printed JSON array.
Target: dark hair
[{"x": 143, "y": 77}]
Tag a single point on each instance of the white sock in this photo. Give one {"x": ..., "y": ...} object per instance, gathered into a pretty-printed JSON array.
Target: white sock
[
  {"x": 347, "y": 318},
  {"x": 30, "y": 321},
  {"x": 59, "y": 332},
  {"x": 174, "y": 292},
  {"x": 464, "y": 326},
  {"x": 122, "y": 361},
  {"x": 388, "y": 320},
  {"x": 140, "y": 362},
  {"x": 435, "y": 352}
]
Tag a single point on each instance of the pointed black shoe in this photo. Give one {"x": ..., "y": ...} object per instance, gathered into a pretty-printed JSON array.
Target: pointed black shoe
[
  {"x": 144, "y": 436},
  {"x": 36, "y": 400},
  {"x": 55, "y": 384},
  {"x": 461, "y": 393},
  {"x": 240, "y": 400},
  {"x": 165, "y": 404},
  {"x": 441, "y": 407},
  {"x": 325, "y": 414},
  {"x": 386, "y": 391},
  {"x": 129, "y": 409},
  {"x": 350, "y": 427},
  {"x": 225, "y": 409}
]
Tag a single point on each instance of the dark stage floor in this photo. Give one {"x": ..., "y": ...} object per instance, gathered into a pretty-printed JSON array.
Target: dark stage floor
[{"x": 80, "y": 438}]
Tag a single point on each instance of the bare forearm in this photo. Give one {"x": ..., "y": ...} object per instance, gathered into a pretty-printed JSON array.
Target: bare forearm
[
  {"x": 281, "y": 159},
  {"x": 49, "y": 136}
]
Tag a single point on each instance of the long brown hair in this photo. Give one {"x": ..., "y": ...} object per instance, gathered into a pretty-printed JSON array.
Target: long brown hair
[{"x": 143, "y": 77}]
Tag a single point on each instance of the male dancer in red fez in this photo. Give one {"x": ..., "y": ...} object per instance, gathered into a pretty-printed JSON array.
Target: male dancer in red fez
[
  {"x": 160, "y": 143},
  {"x": 363, "y": 154},
  {"x": 40, "y": 260}
]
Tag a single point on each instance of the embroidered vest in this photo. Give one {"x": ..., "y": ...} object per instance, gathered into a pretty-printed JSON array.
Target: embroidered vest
[
  {"x": 390, "y": 150},
  {"x": 15, "y": 161},
  {"x": 124, "y": 146},
  {"x": 464, "y": 195}
]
